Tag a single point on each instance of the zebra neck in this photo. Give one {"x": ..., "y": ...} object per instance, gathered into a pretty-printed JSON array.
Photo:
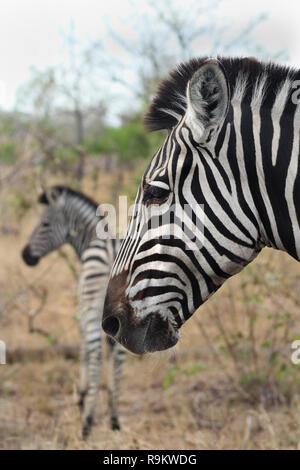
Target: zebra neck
[
  {"x": 80, "y": 238},
  {"x": 82, "y": 222},
  {"x": 261, "y": 153}
]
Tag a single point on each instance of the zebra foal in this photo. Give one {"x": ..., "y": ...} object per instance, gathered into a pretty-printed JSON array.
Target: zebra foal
[{"x": 70, "y": 217}]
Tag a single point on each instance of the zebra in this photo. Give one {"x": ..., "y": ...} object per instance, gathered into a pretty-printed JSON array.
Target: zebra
[
  {"x": 231, "y": 154},
  {"x": 70, "y": 217}
]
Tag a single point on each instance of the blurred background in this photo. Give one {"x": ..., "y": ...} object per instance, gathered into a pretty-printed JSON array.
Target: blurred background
[{"x": 75, "y": 80}]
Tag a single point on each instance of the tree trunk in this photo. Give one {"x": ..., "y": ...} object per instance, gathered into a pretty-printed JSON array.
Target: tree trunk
[
  {"x": 80, "y": 151},
  {"x": 81, "y": 165}
]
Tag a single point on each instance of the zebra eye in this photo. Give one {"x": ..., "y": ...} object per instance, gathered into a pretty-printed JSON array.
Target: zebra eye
[
  {"x": 45, "y": 224},
  {"x": 155, "y": 195}
]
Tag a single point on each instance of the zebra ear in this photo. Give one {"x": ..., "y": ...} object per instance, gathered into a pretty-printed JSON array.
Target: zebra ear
[
  {"x": 43, "y": 199},
  {"x": 207, "y": 100},
  {"x": 49, "y": 196}
]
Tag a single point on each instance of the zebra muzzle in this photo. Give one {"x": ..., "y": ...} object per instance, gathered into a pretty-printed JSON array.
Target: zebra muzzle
[
  {"x": 28, "y": 258},
  {"x": 139, "y": 334},
  {"x": 153, "y": 333}
]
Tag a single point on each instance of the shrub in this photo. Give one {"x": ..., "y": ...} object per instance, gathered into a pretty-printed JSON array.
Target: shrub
[{"x": 8, "y": 153}]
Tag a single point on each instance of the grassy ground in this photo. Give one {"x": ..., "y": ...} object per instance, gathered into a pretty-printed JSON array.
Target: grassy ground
[{"x": 229, "y": 384}]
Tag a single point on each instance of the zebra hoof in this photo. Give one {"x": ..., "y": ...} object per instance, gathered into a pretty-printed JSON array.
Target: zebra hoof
[
  {"x": 115, "y": 425},
  {"x": 86, "y": 428},
  {"x": 86, "y": 431}
]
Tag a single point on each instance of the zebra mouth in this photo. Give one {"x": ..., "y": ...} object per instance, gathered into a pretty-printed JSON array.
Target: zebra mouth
[
  {"x": 160, "y": 334},
  {"x": 28, "y": 258}
]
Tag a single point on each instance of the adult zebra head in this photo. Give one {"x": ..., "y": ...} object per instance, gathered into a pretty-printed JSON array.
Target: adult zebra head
[{"x": 164, "y": 272}]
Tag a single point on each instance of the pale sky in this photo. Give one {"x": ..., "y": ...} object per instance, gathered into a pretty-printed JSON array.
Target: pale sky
[{"x": 31, "y": 30}]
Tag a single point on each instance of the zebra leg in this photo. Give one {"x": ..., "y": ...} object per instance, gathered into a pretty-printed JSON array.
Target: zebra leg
[
  {"x": 83, "y": 377},
  {"x": 94, "y": 369},
  {"x": 116, "y": 361}
]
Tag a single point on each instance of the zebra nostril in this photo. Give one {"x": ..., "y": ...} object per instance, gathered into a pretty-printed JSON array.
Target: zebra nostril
[{"x": 111, "y": 325}]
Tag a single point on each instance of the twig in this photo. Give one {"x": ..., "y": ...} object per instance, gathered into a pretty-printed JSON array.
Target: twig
[
  {"x": 35, "y": 312},
  {"x": 21, "y": 354}
]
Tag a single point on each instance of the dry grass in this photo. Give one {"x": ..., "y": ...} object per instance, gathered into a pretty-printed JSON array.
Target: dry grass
[{"x": 190, "y": 399}]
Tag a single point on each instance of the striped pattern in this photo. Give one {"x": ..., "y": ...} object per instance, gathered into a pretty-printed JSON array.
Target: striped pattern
[
  {"x": 229, "y": 166},
  {"x": 70, "y": 217}
]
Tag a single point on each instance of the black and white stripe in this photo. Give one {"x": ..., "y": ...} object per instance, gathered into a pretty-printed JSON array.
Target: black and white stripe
[
  {"x": 231, "y": 157},
  {"x": 70, "y": 217}
]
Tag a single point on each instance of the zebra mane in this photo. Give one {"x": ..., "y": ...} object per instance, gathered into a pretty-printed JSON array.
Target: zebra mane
[
  {"x": 68, "y": 192},
  {"x": 249, "y": 79}
]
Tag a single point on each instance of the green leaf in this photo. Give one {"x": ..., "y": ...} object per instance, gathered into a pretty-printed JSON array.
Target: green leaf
[
  {"x": 170, "y": 376},
  {"x": 194, "y": 369}
]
